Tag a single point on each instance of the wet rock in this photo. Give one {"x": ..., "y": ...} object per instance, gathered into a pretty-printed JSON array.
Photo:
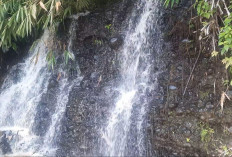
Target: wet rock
[
  {"x": 230, "y": 129},
  {"x": 209, "y": 105},
  {"x": 4, "y": 144},
  {"x": 200, "y": 104},
  {"x": 94, "y": 75},
  {"x": 180, "y": 111},
  {"x": 229, "y": 93},
  {"x": 186, "y": 41},
  {"x": 171, "y": 87},
  {"x": 210, "y": 71},
  {"x": 188, "y": 125},
  {"x": 173, "y": 105},
  {"x": 186, "y": 131},
  {"x": 116, "y": 42},
  {"x": 113, "y": 40},
  {"x": 180, "y": 68}
]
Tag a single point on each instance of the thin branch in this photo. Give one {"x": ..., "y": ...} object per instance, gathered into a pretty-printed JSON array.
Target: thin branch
[
  {"x": 191, "y": 73},
  {"x": 227, "y": 10}
]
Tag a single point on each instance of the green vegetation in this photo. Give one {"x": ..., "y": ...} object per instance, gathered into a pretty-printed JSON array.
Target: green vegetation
[
  {"x": 216, "y": 28},
  {"x": 226, "y": 151},
  {"x": 170, "y": 3},
  {"x": 98, "y": 42},
  {"x": 68, "y": 55},
  {"x": 206, "y": 134},
  {"x": 21, "y": 18},
  {"x": 203, "y": 95},
  {"x": 108, "y": 26},
  {"x": 51, "y": 59}
]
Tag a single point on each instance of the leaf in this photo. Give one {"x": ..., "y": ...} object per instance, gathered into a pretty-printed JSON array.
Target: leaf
[
  {"x": 37, "y": 57},
  {"x": 33, "y": 11},
  {"x": 67, "y": 56},
  {"x": 42, "y": 5},
  {"x": 59, "y": 76},
  {"x": 214, "y": 53},
  {"x": 58, "y": 4}
]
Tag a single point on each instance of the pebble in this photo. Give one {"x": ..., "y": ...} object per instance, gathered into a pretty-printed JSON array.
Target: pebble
[
  {"x": 171, "y": 87},
  {"x": 230, "y": 129},
  {"x": 113, "y": 40},
  {"x": 188, "y": 125},
  {"x": 209, "y": 105},
  {"x": 172, "y": 105},
  {"x": 200, "y": 104}
]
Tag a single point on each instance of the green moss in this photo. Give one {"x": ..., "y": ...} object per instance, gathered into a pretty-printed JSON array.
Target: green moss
[{"x": 203, "y": 95}]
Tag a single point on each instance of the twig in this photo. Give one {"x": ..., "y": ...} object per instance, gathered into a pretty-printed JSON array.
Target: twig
[
  {"x": 192, "y": 72},
  {"x": 227, "y": 10}
]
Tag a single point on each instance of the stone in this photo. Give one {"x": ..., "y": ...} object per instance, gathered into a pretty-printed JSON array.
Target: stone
[
  {"x": 188, "y": 125},
  {"x": 229, "y": 93},
  {"x": 179, "y": 68},
  {"x": 186, "y": 41},
  {"x": 172, "y": 105},
  {"x": 230, "y": 129},
  {"x": 4, "y": 144},
  {"x": 180, "y": 110},
  {"x": 113, "y": 40},
  {"x": 94, "y": 75},
  {"x": 209, "y": 105},
  {"x": 116, "y": 42},
  {"x": 200, "y": 104},
  {"x": 171, "y": 87}
]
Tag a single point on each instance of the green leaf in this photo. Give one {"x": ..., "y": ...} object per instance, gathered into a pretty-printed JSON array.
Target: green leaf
[{"x": 33, "y": 11}]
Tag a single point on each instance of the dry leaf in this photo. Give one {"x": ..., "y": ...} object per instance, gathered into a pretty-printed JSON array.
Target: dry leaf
[
  {"x": 42, "y": 5},
  {"x": 37, "y": 57},
  {"x": 222, "y": 101},
  {"x": 33, "y": 11},
  {"x": 59, "y": 76},
  {"x": 99, "y": 80},
  {"x": 58, "y": 4}
]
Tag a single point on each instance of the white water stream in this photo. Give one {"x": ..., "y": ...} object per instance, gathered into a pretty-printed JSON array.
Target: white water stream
[
  {"x": 125, "y": 132},
  {"x": 124, "y": 136},
  {"x": 19, "y": 97}
]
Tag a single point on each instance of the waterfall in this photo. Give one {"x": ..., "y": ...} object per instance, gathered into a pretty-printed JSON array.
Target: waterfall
[
  {"x": 125, "y": 133},
  {"x": 33, "y": 99},
  {"x": 22, "y": 92},
  {"x": 20, "y": 96}
]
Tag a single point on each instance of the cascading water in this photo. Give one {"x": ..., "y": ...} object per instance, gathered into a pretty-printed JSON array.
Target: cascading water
[
  {"x": 19, "y": 98},
  {"x": 125, "y": 132}
]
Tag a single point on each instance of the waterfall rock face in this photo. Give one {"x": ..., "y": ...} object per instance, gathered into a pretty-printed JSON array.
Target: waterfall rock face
[
  {"x": 99, "y": 103},
  {"x": 118, "y": 54},
  {"x": 109, "y": 100}
]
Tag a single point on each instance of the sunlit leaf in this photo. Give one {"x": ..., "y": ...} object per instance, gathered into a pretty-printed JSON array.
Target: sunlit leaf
[{"x": 42, "y": 5}]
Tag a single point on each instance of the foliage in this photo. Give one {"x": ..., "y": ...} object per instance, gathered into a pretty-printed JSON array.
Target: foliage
[
  {"x": 21, "y": 18},
  {"x": 206, "y": 134},
  {"x": 216, "y": 28},
  {"x": 204, "y": 9},
  {"x": 98, "y": 42},
  {"x": 225, "y": 36},
  {"x": 68, "y": 55},
  {"x": 170, "y": 3},
  {"x": 226, "y": 151},
  {"x": 108, "y": 26},
  {"x": 51, "y": 59}
]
